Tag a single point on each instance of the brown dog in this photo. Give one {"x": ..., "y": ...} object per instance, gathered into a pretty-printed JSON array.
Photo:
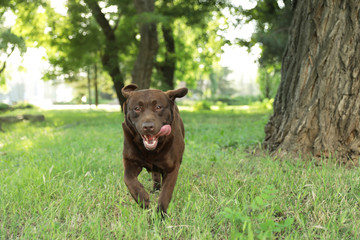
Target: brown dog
[{"x": 153, "y": 139}]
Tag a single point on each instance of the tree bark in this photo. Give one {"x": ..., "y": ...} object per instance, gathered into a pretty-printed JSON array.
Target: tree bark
[
  {"x": 89, "y": 86},
  {"x": 96, "y": 85},
  {"x": 317, "y": 106},
  {"x": 267, "y": 85},
  {"x": 110, "y": 57},
  {"x": 145, "y": 60},
  {"x": 167, "y": 68}
]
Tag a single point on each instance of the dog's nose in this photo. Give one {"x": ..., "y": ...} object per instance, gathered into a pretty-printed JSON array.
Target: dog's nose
[{"x": 148, "y": 126}]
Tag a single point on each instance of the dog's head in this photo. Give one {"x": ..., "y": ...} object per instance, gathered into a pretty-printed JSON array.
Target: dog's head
[{"x": 150, "y": 112}]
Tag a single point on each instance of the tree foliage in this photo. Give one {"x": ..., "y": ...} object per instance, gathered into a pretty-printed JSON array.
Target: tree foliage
[
  {"x": 86, "y": 35},
  {"x": 109, "y": 32},
  {"x": 9, "y": 41},
  {"x": 80, "y": 32},
  {"x": 268, "y": 78},
  {"x": 189, "y": 31},
  {"x": 273, "y": 19},
  {"x": 197, "y": 51}
]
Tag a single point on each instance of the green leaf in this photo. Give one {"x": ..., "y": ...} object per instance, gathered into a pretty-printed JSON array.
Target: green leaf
[
  {"x": 259, "y": 201},
  {"x": 288, "y": 222},
  {"x": 268, "y": 224}
]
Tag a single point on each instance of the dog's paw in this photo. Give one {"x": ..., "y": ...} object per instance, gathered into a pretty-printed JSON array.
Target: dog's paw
[
  {"x": 162, "y": 213},
  {"x": 145, "y": 203}
]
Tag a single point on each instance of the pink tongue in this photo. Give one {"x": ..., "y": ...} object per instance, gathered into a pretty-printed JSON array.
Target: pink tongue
[{"x": 164, "y": 131}]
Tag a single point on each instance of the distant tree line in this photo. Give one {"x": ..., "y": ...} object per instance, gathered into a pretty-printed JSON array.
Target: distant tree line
[{"x": 150, "y": 43}]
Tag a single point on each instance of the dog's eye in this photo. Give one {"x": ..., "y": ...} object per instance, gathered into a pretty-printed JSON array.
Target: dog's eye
[
  {"x": 137, "y": 109},
  {"x": 158, "y": 108}
]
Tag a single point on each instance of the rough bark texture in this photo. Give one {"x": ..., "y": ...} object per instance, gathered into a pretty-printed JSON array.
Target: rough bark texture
[
  {"x": 317, "y": 107},
  {"x": 110, "y": 57},
  {"x": 145, "y": 60}
]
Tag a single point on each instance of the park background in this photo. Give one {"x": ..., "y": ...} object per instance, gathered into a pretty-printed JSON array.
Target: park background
[
  {"x": 25, "y": 80},
  {"x": 272, "y": 133}
]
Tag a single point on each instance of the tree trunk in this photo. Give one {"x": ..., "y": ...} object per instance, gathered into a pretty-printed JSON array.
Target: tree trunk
[
  {"x": 145, "y": 60},
  {"x": 89, "y": 86},
  {"x": 96, "y": 85},
  {"x": 167, "y": 68},
  {"x": 110, "y": 57},
  {"x": 317, "y": 106},
  {"x": 267, "y": 85}
]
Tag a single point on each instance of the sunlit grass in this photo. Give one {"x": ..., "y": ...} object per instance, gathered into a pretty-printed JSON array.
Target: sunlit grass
[
  {"x": 63, "y": 179},
  {"x": 219, "y": 108},
  {"x": 265, "y": 105}
]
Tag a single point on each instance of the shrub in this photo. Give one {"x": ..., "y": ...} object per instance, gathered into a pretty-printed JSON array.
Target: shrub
[
  {"x": 239, "y": 100},
  {"x": 202, "y": 105},
  {"x": 4, "y": 107},
  {"x": 221, "y": 105},
  {"x": 256, "y": 220},
  {"x": 23, "y": 105},
  {"x": 264, "y": 104}
]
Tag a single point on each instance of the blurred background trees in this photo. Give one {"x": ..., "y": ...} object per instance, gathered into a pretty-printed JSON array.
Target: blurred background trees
[
  {"x": 163, "y": 43},
  {"x": 8, "y": 41},
  {"x": 273, "y": 19}
]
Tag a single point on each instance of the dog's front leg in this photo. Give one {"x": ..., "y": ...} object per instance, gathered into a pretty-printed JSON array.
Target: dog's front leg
[
  {"x": 169, "y": 181},
  {"x": 135, "y": 187}
]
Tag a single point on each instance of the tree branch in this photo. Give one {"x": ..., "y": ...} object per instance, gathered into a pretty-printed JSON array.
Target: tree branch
[
  {"x": 7, "y": 57},
  {"x": 3, "y": 67},
  {"x": 100, "y": 18},
  {"x": 117, "y": 22}
]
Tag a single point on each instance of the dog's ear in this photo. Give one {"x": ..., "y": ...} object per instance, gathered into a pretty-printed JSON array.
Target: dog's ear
[
  {"x": 128, "y": 90},
  {"x": 178, "y": 93}
]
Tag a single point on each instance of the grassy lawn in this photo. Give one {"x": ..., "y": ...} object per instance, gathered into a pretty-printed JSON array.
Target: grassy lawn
[{"x": 63, "y": 179}]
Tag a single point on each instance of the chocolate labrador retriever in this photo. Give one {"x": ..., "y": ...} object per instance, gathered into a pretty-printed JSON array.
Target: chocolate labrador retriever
[{"x": 153, "y": 139}]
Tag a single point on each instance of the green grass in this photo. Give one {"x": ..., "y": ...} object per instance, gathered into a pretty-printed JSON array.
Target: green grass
[{"x": 63, "y": 179}]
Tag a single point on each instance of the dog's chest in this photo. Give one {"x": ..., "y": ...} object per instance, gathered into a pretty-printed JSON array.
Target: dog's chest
[{"x": 157, "y": 164}]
